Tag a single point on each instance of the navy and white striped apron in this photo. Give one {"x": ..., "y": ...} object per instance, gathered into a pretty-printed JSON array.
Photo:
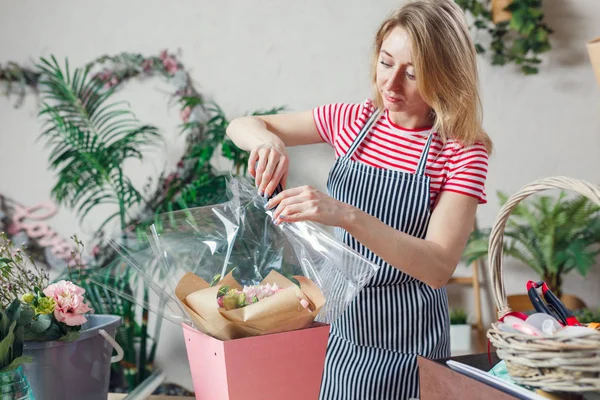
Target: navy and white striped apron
[{"x": 373, "y": 347}]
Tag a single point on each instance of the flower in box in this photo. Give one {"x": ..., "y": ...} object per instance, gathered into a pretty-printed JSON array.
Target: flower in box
[{"x": 230, "y": 311}]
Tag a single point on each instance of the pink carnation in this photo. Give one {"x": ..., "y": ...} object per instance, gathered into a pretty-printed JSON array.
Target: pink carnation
[
  {"x": 260, "y": 292},
  {"x": 70, "y": 306}
]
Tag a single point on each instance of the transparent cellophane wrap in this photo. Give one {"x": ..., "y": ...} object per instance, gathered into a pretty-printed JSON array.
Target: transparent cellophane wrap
[{"x": 193, "y": 253}]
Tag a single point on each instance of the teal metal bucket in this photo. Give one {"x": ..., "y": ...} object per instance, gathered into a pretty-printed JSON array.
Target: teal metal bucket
[{"x": 78, "y": 370}]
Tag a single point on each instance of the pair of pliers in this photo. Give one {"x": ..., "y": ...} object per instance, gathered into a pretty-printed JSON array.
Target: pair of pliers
[{"x": 552, "y": 305}]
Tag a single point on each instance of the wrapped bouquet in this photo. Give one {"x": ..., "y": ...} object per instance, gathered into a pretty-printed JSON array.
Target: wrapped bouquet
[
  {"x": 230, "y": 311},
  {"x": 230, "y": 272}
]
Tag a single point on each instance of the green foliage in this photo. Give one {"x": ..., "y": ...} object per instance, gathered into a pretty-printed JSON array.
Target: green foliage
[
  {"x": 552, "y": 235},
  {"x": 206, "y": 186},
  {"x": 520, "y": 40},
  {"x": 16, "y": 277},
  {"x": 90, "y": 141},
  {"x": 586, "y": 315},
  {"x": 12, "y": 335},
  {"x": 458, "y": 316}
]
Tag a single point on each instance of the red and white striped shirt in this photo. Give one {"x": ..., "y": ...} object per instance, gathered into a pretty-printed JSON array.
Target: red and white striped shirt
[{"x": 453, "y": 166}]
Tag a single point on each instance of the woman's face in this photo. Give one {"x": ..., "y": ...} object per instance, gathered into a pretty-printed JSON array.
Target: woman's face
[{"x": 396, "y": 80}]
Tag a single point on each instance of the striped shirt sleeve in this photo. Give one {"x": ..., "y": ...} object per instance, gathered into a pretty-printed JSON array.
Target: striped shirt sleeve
[
  {"x": 467, "y": 173},
  {"x": 330, "y": 119}
]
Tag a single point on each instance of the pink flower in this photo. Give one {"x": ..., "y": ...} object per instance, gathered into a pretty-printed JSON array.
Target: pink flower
[
  {"x": 305, "y": 304},
  {"x": 147, "y": 64},
  {"x": 13, "y": 229},
  {"x": 170, "y": 65},
  {"x": 70, "y": 307},
  {"x": 163, "y": 54},
  {"x": 170, "y": 178},
  {"x": 185, "y": 114},
  {"x": 104, "y": 76},
  {"x": 113, "y": 81},
  {"x": 259, "y": 292}
]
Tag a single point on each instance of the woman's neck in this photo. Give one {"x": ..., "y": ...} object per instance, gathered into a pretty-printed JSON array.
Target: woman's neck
[{"x": 411, "y": 120}]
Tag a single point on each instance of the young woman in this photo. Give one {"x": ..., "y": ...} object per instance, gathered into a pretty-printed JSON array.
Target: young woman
[{"x": 410, "y": 171}]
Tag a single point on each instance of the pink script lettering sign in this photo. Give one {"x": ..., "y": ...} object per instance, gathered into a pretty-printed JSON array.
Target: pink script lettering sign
[{"x": 29, "y": 220}]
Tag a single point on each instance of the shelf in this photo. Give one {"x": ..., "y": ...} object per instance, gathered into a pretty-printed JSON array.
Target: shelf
[{"x": 462, "y": 280}]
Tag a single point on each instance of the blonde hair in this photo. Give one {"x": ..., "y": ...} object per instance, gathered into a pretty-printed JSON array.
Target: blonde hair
[{"x": 445, "y": 63}]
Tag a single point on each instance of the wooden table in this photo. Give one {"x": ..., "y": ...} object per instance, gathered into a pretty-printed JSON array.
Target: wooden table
[{"x": 438, "y": 381}]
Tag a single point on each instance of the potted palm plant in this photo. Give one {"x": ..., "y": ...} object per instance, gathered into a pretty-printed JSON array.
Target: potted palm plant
[
  {"x": 517, "y": 31},
  {"x": 553, "y": 235}
]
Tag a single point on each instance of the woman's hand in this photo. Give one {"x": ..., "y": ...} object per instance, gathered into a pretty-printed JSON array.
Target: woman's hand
[
  {"x": 268, "y": 164},
  {"x": 308, "y": 204}
]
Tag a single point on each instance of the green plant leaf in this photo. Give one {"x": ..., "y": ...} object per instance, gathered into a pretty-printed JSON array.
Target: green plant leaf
[
  {"x": 518, "y": 20},
  {"x": 70, "y": 336},
  {"x": 16, "y": 363},
  {"x": 520, "y": 47},
  {"x": 53, "y": 332},
  {"x": 498, "y": 59},
  {"x": 13, "y": 309},
  {"x": 551, "y": 234},
  {"x": 578, "y": 256},
  {"x": 6, "y": 346},
  {"x": 25, "y": 316},
  {"x": 535, "y": 13},
  {"x": 458, "y": 317},
  {"x": 91, "y": 140},
  {"x": 40, "y": 324},
  {"x": 529, "y": 70}
]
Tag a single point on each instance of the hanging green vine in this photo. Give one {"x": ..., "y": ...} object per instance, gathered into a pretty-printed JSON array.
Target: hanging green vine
[{"x": 520, "y": 38}]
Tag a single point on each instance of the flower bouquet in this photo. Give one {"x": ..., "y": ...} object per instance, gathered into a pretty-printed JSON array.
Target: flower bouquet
[
  {"x": 38, "y": 323},
  {"x": 255, "y": 299},
  {"x": 230, "y": 311},
  {"x": 45, "y": 311},
  {"x": 230, "y": 272}
]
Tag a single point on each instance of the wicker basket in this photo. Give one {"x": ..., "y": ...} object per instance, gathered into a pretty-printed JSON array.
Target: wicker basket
[{"x": 549, "y": 363}]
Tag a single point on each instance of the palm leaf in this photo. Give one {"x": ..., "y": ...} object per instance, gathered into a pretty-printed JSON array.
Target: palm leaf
[
  {"x": 91, "y": 140},
  {"x": 552, "y": 235}
]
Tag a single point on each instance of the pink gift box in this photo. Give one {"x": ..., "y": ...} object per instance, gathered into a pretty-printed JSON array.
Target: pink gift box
[{"x": 286, "y": 365}]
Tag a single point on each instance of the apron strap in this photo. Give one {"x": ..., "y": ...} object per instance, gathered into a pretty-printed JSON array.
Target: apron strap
[
  {"x": 367, "y": 128},
  {"x": 363, "y": 133},
  {"x": 423, "y": 160}
]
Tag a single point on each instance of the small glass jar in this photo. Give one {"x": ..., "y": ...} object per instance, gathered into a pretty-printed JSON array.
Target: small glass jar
[{"x": 14, "y": 385}]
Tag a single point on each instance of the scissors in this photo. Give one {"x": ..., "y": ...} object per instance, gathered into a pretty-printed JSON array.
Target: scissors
[{"x": 552, "y": 305}]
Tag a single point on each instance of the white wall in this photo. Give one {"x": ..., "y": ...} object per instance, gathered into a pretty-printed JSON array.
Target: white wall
[{"x": 260, "y": 53}]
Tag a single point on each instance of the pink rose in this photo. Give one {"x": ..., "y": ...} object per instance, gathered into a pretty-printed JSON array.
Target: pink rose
[
  {"x": 70, "y": 306},
  {"x": 170, "y": 65},
  {"x": 185, "y": 114},
  {"x": 147, "y": 64}
]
